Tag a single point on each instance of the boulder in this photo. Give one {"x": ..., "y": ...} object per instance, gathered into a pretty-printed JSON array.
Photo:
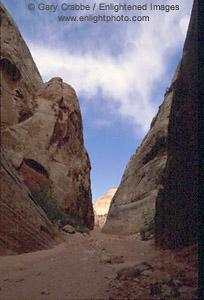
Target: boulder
[{"x": 69, "y": 229}]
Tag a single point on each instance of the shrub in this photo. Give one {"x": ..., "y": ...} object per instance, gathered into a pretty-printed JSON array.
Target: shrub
[
  {"x": 160, "y": 173},
  {"x": 149, "y": 216},
  {"x": 149, "y": 223},
  {"x": 142, "y": 233},
  {"x": 168, "y": 90},
  {"x": 49, "y": 204},
  {"x": 55, "y": 213},
  {"x": 82, "y": 229}
]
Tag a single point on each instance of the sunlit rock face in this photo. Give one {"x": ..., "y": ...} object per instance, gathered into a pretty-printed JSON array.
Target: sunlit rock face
[
  {"x": 48, "y": 149},
  {"x": 142, "y": 178},
  {"x": 20, "y": 78},
  {"x": 101, "y": 208},
  {"x": 177, "y": 214},
  {"x": 42, "y": 138}
]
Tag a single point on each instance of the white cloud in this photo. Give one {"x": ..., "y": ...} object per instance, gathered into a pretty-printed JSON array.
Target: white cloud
[
  {"x": 184, "y": 24},
  {"x": 125, "y": 81}
]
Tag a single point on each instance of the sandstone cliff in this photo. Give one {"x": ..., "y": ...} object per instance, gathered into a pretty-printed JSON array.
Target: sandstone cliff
[
  {"x": 177, "y": 203},
  {"x": 101, "y": 207},
  {"x": 24, "y": 226},
  {"x": 47, "y": 149},
  {"x": 20, "y": 76},
  {"x": 42, "y": 136},
  {"x": 141, "y": 180}
]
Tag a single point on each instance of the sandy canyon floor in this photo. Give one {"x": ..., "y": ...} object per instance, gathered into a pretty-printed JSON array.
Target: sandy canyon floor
[{"x": 100, "y": 266}]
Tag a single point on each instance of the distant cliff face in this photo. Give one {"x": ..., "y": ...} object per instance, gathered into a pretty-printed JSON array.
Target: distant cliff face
[
  {"x": 41, "y": 129},
  {"x": 141, "y": 180},
  {"x": 177, "y": 203},
  {"x": 101, "y": 207}
]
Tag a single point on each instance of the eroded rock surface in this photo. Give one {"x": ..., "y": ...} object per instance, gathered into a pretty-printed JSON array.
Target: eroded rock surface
[
  {"x": 143, "y": 175},
  {"x": 24, "y": 226},
  {"x": 20, "y": 77},
  {"x": 48, "y": 149},
  {"x": 42, "y": 138}
]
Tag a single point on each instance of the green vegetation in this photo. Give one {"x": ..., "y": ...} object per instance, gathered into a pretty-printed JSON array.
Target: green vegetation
[
  {"x": 50, "y": 206},
  {"x": 55, "y": 213},
  {"x": 82, "y": 229},
  {"x": 168, "y": 90},
  {"x": 149, "y": 223},
  {"x": 160, "y": 175}
]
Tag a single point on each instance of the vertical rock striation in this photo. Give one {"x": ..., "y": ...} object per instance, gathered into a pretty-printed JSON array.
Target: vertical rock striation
[{"x": 177, "y": 203}]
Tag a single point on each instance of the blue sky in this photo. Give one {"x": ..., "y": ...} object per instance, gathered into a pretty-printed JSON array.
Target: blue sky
[{"x": 119, "y": 70}]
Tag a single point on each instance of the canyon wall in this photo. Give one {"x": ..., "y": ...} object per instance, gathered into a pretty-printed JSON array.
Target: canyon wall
[
  {"x": 141, "y": 180},
  {"x": 24, "y": 226},
  {"x": 177, "y": 214},
  {"x": 164, "y": 169},
  {"x": 41, "y": 136}
]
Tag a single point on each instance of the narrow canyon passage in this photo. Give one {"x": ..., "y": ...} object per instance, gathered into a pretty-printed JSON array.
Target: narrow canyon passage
[{"x": 86, "y": 267}]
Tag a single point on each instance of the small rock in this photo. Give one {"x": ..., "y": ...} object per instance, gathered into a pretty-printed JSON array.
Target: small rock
[
  {"x": 162, "y": 276},
  {"x": 184, "y": 289},
  {"x": 111, "y": 259},
  {"x": 129, "y": 272},
  {"x": 92, "y": 252},
  {"x": 166, "y": 290},
  {"x": 144, "y": 266},
  {"x": 20, "y": 279},
  {"x": 69, "y": 229},
  {"x": 105, "y": 258},
  {"x": 159, "y": 266},
  {"x": 136, "y": 280},
  {"x": 45, "y": 292},
  {"x": 147, "y": 273},
  {"x": 155, "y": 289},
  {"x": 176, "y": 283},
  {"x": 147, "y": 235},
  {"x": 147, "y": 280}
]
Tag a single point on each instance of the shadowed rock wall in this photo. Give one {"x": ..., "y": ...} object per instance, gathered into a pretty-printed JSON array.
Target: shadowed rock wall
[
  {"x": 141, "y": 180},
  {"x": 177, "y": 203}
]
